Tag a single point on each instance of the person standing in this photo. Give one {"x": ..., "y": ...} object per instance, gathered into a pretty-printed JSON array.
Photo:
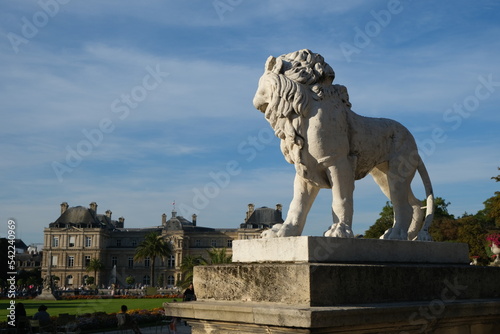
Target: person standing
[
  {"x": 125, "y": 320},
  {"x": 189, "y": 294}
]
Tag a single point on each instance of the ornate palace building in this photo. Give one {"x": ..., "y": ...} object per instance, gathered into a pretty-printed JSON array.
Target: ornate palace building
[{"x": 80, "y": 234}]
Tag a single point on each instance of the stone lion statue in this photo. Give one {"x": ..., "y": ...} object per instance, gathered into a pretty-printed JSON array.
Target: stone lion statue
[{"x": 331, "y": 147}]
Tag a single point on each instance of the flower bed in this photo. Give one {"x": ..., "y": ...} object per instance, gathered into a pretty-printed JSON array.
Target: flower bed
[
  {"x": 99, "y": 321},
  {"x": 79, "y": 297}
]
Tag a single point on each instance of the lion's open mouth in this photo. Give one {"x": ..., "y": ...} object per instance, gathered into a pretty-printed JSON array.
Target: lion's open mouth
[{"x": 263, "y": 107}]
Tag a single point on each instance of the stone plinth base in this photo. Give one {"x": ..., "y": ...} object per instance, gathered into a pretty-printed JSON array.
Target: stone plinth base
[
  {"x": 437, "y": 316},
  {"x": 347, "y": 250},
  {"x": 402, "y": 287},
  {"x": 46, "y": 296}
]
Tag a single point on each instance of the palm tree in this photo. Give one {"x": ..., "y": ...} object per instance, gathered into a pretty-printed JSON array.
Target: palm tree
[
  {"x": 95, "y": 265},
  {"x": 218, "y": 256},
  {"x": 151, "y": 247},
  {"x": 187, "y": 265}
]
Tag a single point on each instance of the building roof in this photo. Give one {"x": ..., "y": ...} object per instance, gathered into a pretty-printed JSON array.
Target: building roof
[
  {"x": 263, "y": 217},
  {"x": 19, "y": 244},
  {"x": 79, "y": 215}
]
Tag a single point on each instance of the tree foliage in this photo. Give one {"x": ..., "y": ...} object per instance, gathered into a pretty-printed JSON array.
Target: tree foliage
[
  {"x": 187, "y": 267},
  {"x": 219, "y": 255},
  {"x": 469, "y": 228},
  {"x": 386, "y": 220},
  {"x": 95, "y": 265},
  {"x": 130, "y": 280},
  {"x": 383, "y": 223},
  {"x": 151, "y": 247},
  {"x": 215, "y": 255}
]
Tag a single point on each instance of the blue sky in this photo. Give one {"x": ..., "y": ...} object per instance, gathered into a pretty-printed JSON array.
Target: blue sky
[{"x": 135, "y": 105}]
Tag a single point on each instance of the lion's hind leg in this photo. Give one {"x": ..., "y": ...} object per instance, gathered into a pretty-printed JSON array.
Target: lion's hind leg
[
  {"x": 396, "y": 188},
  {"x": 417, "y": 217}
]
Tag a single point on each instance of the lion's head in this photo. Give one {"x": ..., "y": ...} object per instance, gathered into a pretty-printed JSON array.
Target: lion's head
[
  {"x": 285, "y": 90},
  {"x": 300, "y": 67}
]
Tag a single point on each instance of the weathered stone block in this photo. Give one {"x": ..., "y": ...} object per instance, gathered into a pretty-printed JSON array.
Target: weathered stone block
[{"x": 316, "y": 284}]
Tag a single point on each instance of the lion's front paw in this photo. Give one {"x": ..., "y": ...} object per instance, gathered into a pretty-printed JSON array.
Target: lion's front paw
[
  {"x": 394, "y": 234},
  {"x": 272, "y": 232},
  {"x": 423, "y": 236},
  {"x": 386, "y": 234},
  {"x": 339, "y": 230}
]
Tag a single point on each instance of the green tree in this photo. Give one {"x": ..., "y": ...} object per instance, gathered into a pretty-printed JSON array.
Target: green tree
[
  {"x": 95, "y": 265},
  {"x": 383, "y": 223},
  {"x": 161, "y": 280},
  {"x": 491, "y": 210},
  {"x": 20, "y": 282},
  {"x": 219, "y": 255},
  {"x": 444, "y": 226},
  {"x": 472, "y": 231},
  {"x": 152, "y": 247},
  {"x": 442, "y": 219},
  {"x": 187, "y": 267},
  {"x": 130, "y": 280},
  {"x": 496, "y": 178}
]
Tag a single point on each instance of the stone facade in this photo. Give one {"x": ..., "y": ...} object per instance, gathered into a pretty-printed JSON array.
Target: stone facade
[{"x": 81, "y": 234}]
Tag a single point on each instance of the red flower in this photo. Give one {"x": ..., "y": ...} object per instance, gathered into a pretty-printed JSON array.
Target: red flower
[{"x": 494, "y": 239}]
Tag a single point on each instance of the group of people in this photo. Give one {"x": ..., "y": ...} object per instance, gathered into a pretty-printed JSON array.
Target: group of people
[
  {"x": 42, "y": 316},
  {"x": 126, "y": 321}
]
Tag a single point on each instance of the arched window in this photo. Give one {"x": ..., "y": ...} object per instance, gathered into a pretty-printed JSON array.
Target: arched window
[
  {"x": 69, "y": 280},
  {"x": 170, "y": 281},
  {"x": 146, "y": 280}
]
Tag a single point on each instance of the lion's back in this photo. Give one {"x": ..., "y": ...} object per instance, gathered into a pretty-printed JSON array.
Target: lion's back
[{"x": 377, "y": 140}]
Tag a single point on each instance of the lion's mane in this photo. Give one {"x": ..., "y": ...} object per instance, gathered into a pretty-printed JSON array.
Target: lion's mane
[{"x": 304, "y": 76}]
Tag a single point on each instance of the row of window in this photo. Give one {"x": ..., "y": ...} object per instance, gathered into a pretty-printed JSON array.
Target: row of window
[
  {"x": 146, "y": 280},
  {"x": 213, "y": 243},
  {"x": 28, "y": 263},
  {"x": 114, "y": 261},
  {"x": 147, "y": 261},
  {"x": 133, "y": 243},
  {"x": 71, "y": 241},
  {"x": 88, "y": 242}
]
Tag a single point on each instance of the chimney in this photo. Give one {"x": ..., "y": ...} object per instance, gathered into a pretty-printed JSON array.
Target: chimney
[
  {"x": 93, "y": 206},
  {"x": 108, "y": 214},
  {"x": 64, "y": 207},
  {"x": 250, "y": 210},
  {"x": 164, "y": 220},
  {"x": 194, "y": 219},
  {"x": 121, "y": 222},
  {"x": 279, "y": 207}
]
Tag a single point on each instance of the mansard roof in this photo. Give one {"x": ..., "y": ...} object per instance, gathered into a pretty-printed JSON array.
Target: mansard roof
[
  {"x": 84, "y": 217},
  {"x": 264, "y": 217}
]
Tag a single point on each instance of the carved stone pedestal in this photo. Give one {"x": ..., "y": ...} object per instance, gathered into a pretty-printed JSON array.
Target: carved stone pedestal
[
  {"x": 306, "y": 296},
  {"x": 46, "y": 296}
]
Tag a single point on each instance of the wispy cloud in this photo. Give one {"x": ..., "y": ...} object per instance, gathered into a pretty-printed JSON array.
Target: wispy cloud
[{"x": 90, "y": 63}]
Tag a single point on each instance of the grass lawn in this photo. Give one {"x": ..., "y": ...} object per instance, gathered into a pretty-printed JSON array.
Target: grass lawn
[{"x": 82, "y": 306}]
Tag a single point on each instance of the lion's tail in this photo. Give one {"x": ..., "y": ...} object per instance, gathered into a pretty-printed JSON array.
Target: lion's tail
[{"x": 429, "y": 212}]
